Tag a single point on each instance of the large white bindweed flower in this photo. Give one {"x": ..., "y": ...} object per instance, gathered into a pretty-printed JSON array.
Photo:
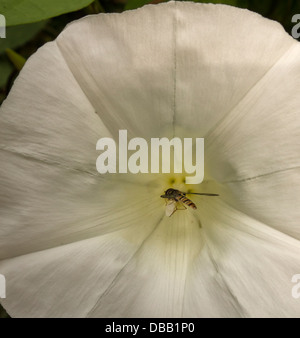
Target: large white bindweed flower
[{"x": 77, "y": 243}]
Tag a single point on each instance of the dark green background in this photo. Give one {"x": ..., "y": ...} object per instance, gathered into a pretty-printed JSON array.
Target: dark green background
[{"x": 25, "y": 39}]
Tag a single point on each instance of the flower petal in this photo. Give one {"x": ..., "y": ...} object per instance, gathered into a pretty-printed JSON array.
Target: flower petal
[
  {"x": 266, "y": 124},
  {"x": 255, "y": 262},
  {"x": 194, "y": 53},
  {"x": 158, "y": 281},
  {"x": 152, "y": 283},
  {"x": 48, "y": 118},
  {"x": 221, "y": 53},
  {"x": 176, "y": 269},
  {"x": 137, "y": 272},
  {"x": 44, "y": 205},
  {"x": 260, "y": 162},
  {"x": 66, "y": 281},
  {"x": 272, "y": 199},
  {"x": 124, "y": 63},
  {"x": 51, "y": 193}
]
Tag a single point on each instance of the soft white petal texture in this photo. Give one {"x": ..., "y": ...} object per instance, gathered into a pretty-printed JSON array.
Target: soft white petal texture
[
  {"x": 180, "y": 267},
  {"x": 238, "y": 88},
  {"x": 75, "y": 243},
  {"x": 221, "y": 76},
  {"x": 260, "y": 160},
  {"x": 272, "y": 199},
  {"x": 266, "y": 126},
  {"x": 125, "y": 66},
  {"x": 47, "y": 116},
  {"x": 153, "y": 283},
  {"x": 66, "y": 281},
  {"x": 156, "y": 282},
  {"x": 51, "y": 193},
  {"x": 170, "y": 63},
  {"x": 252, "y": 261},
  {"x": 221, "y": 53},
  {"x": 44, "y": 206}
]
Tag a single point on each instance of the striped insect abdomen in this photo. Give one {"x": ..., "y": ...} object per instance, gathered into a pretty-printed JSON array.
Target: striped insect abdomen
[{"x": 186, "y": 201}]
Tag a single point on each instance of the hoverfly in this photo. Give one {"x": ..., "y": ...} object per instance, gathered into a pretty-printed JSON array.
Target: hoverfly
[{"x": 176, "y": 200}]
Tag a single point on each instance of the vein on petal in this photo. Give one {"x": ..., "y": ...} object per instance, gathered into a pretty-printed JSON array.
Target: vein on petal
[
  {"x": 93, "y": 234},
  {"x": 175, "y": 66},
  {"x": 185, "y": 281},
  {"x": 235, "y": 302},
  {"x": 79, "y": 85},
  {"x": 227, "y": 115},
  {"x": 31, "y": 157},
  {"x": 113, "y": 282},
  {"x": 48, "y": 162},
  {"x": 260, "y": 175}
]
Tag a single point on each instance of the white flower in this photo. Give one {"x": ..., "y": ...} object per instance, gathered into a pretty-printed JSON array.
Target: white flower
[{"x": 79, "y": 244}]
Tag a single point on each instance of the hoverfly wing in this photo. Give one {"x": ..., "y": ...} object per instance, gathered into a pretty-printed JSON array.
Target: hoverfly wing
[{"x": 170, "y": 207}]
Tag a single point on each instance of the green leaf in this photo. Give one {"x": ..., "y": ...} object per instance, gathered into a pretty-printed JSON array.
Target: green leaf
[
  {"x": 6, "y": 69},
  {"x": 133, "y": 4},
  {"x": 17, "y": 60},
  {"x": 17, "y": 36},
  {"x": 19, "y": 12}
]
